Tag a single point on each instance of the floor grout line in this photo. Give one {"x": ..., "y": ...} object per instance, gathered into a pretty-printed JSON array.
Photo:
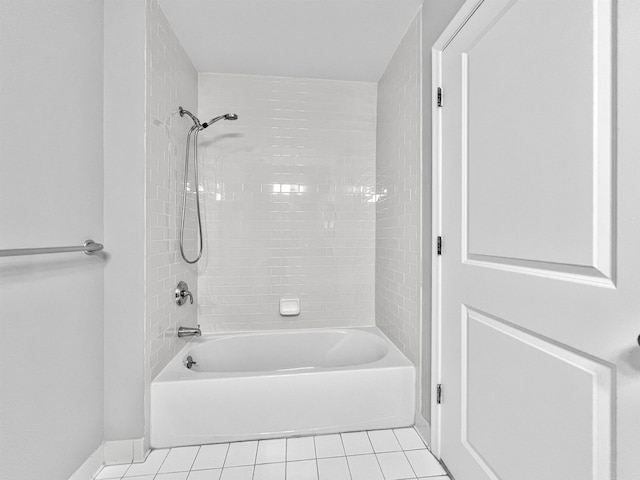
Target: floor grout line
[
  {"x": 286, "y": 455},
  {"x": 255, "y": 461},
  {"x": 405, "y": 454},
  {"x": 315, "y": 453},
  {"x": 376, "y": 457},
  {"x": 345, "y": 457},
  {"x": 226, "y": 454},
  {"x": 194, "y": 460}
]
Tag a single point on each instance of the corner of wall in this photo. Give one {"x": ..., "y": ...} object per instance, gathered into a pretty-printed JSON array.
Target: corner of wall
[
  {"x": 398, "y": 163},
  {"x": 91, "y": 465},
  {"x": 170, "y": 81},
  {"x": 124, "y": 102}
]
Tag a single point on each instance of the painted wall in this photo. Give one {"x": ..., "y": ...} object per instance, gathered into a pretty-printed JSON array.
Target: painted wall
[
  {"x": 51, "y": 194},
  {"x": 124, "y": 177},
  {"x": 289, "y": 202},
  {"x": 398, "y": 185},
  {"x": 436, "y": 15}
]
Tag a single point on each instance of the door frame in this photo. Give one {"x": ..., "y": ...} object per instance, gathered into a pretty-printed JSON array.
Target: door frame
[{"x": 460, "y": 19}]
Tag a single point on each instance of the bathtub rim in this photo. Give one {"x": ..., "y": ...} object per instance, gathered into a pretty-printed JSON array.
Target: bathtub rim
[{"x": 175, "y": 371}]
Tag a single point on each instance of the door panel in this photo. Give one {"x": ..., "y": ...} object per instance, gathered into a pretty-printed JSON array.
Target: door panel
[
  {"x": 550, "y": 395},
  {"x": 558, "y": 137},
  {"x": 540, "y": 286}
]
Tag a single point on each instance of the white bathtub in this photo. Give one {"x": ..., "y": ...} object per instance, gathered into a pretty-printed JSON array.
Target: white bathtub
[{"x": 275, "y": 384}]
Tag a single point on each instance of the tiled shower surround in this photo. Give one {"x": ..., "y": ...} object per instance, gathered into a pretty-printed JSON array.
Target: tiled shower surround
[
  {"x": 171, "y": 81},
  {"x": 398, "y": 208},
  {"x": 289, "y": 193}
]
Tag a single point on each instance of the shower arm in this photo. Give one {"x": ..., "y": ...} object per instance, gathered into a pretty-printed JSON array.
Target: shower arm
[{"x": 184, "y": 112}]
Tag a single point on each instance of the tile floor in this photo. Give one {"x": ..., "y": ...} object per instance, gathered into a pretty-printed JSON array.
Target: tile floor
[{"x": 374, "y": 455}]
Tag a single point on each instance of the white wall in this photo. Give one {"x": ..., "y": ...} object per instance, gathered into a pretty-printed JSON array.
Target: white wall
[
  {"x": 171, "y": 82},
  {"x": 124, "y": 177},
  {"x": 147, "y": 76},
  {"x": 398, "y": 186},
  {"x": 51, "y": 313},
  {"x": 436, "y": 15},
  {"x": 289, "y": 191}
]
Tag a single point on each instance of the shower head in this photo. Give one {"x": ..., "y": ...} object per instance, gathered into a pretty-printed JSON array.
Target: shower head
[{"x": 226, "y": 116}]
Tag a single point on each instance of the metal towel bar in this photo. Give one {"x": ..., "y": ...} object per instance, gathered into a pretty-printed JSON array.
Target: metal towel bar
[{"x": 89, "y": 247}]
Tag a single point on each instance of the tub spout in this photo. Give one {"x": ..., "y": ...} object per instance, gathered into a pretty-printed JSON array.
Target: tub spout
[{"x": 189, "y": 331}]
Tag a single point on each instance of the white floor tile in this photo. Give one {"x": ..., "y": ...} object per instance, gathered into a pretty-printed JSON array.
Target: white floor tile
[
  {"x": 424, "y": 463},
  {"x": 329, "y": 446},
  {"x": 112, "y": 471},
  {"x": 150, "y": 466},
  {"x": 269, "y": 471},
  {"x": 365, "y": 467},
  {"x": 212, "y": 474},
  {"x": 237, "y": 473},
  {"x": 172, "y": 476},
  {"x": 441, "y": 477},
  {"x": 301, "y": 448},
  {"x": 142, "y": 477},
  {"x": 272, "y": 451},
  {"x": 241, "y": 453},
  {"x": 333, "y": 469},
  {"x": 409, "y": 439},
  {"x": 305, "y": 470},
  {"x": 179, "y": 459},
  {"x": 211, "y": 456},
  {"x": 395, "y": 466},
  {"x": 356, "y": 443},
  {"x": 384, "y": 441}
]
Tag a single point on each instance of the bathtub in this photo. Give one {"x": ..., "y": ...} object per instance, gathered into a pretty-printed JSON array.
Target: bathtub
[{"x": 275, "y": 384}]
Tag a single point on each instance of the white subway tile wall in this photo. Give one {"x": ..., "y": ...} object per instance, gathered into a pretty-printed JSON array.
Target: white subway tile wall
[
  {"x": 397, "y": 296},
  {"x": 171, "y": 81},
  {"x": 290, "y": 202}
]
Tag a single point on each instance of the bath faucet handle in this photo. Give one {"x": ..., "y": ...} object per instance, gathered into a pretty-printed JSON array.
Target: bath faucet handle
[
  {"x": 187, "y": 293},
  {"x": 182, "y": 292},
  {"x": 190, "y": 362}
]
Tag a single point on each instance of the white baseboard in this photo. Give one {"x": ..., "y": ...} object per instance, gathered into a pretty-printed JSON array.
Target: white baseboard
[
  {"x": 140, "y": 449},
  {"x": 91, "y": 466},
  {"x": 117, "y": 452},
  {"x": 424, "y": 429}
]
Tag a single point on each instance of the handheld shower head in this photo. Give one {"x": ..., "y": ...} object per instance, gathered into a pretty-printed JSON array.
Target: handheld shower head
[{"x": 226, "y": 116}]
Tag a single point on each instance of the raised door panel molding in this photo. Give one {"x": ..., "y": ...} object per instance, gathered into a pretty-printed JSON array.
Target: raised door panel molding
[
  {"x": 529, "y": 402},
  {"x": 540, "y": 203}
]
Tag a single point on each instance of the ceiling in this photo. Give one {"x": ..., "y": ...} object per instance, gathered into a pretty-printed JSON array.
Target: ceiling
[{"x": 331, "y": 39}]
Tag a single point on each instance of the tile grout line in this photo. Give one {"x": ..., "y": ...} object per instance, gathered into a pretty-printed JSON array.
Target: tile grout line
[
  {"x": 286, "y": 448},
  {"x": 376, "y": 457},
  {"x": 131, "y": 463},
  {"x": 345, "y": 457},
  {"x": 226, "y": 454},
  {"x": 194, "y": 461},
  {"x": 155, "y": 475},
  {"x": 315, "y": 454},
  {"x": 255, "y": 460},
  {"x": 415, "y": 475}
]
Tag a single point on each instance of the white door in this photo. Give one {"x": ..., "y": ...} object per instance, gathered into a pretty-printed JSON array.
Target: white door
[{"x": 540, "y": 214}]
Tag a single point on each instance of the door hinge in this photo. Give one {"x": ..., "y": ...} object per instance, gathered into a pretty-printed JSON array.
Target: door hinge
[
  {"x": 439, "y": 95},
  {"x": 439, "y": 245},
  {"x": 439, "y": 394}
]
